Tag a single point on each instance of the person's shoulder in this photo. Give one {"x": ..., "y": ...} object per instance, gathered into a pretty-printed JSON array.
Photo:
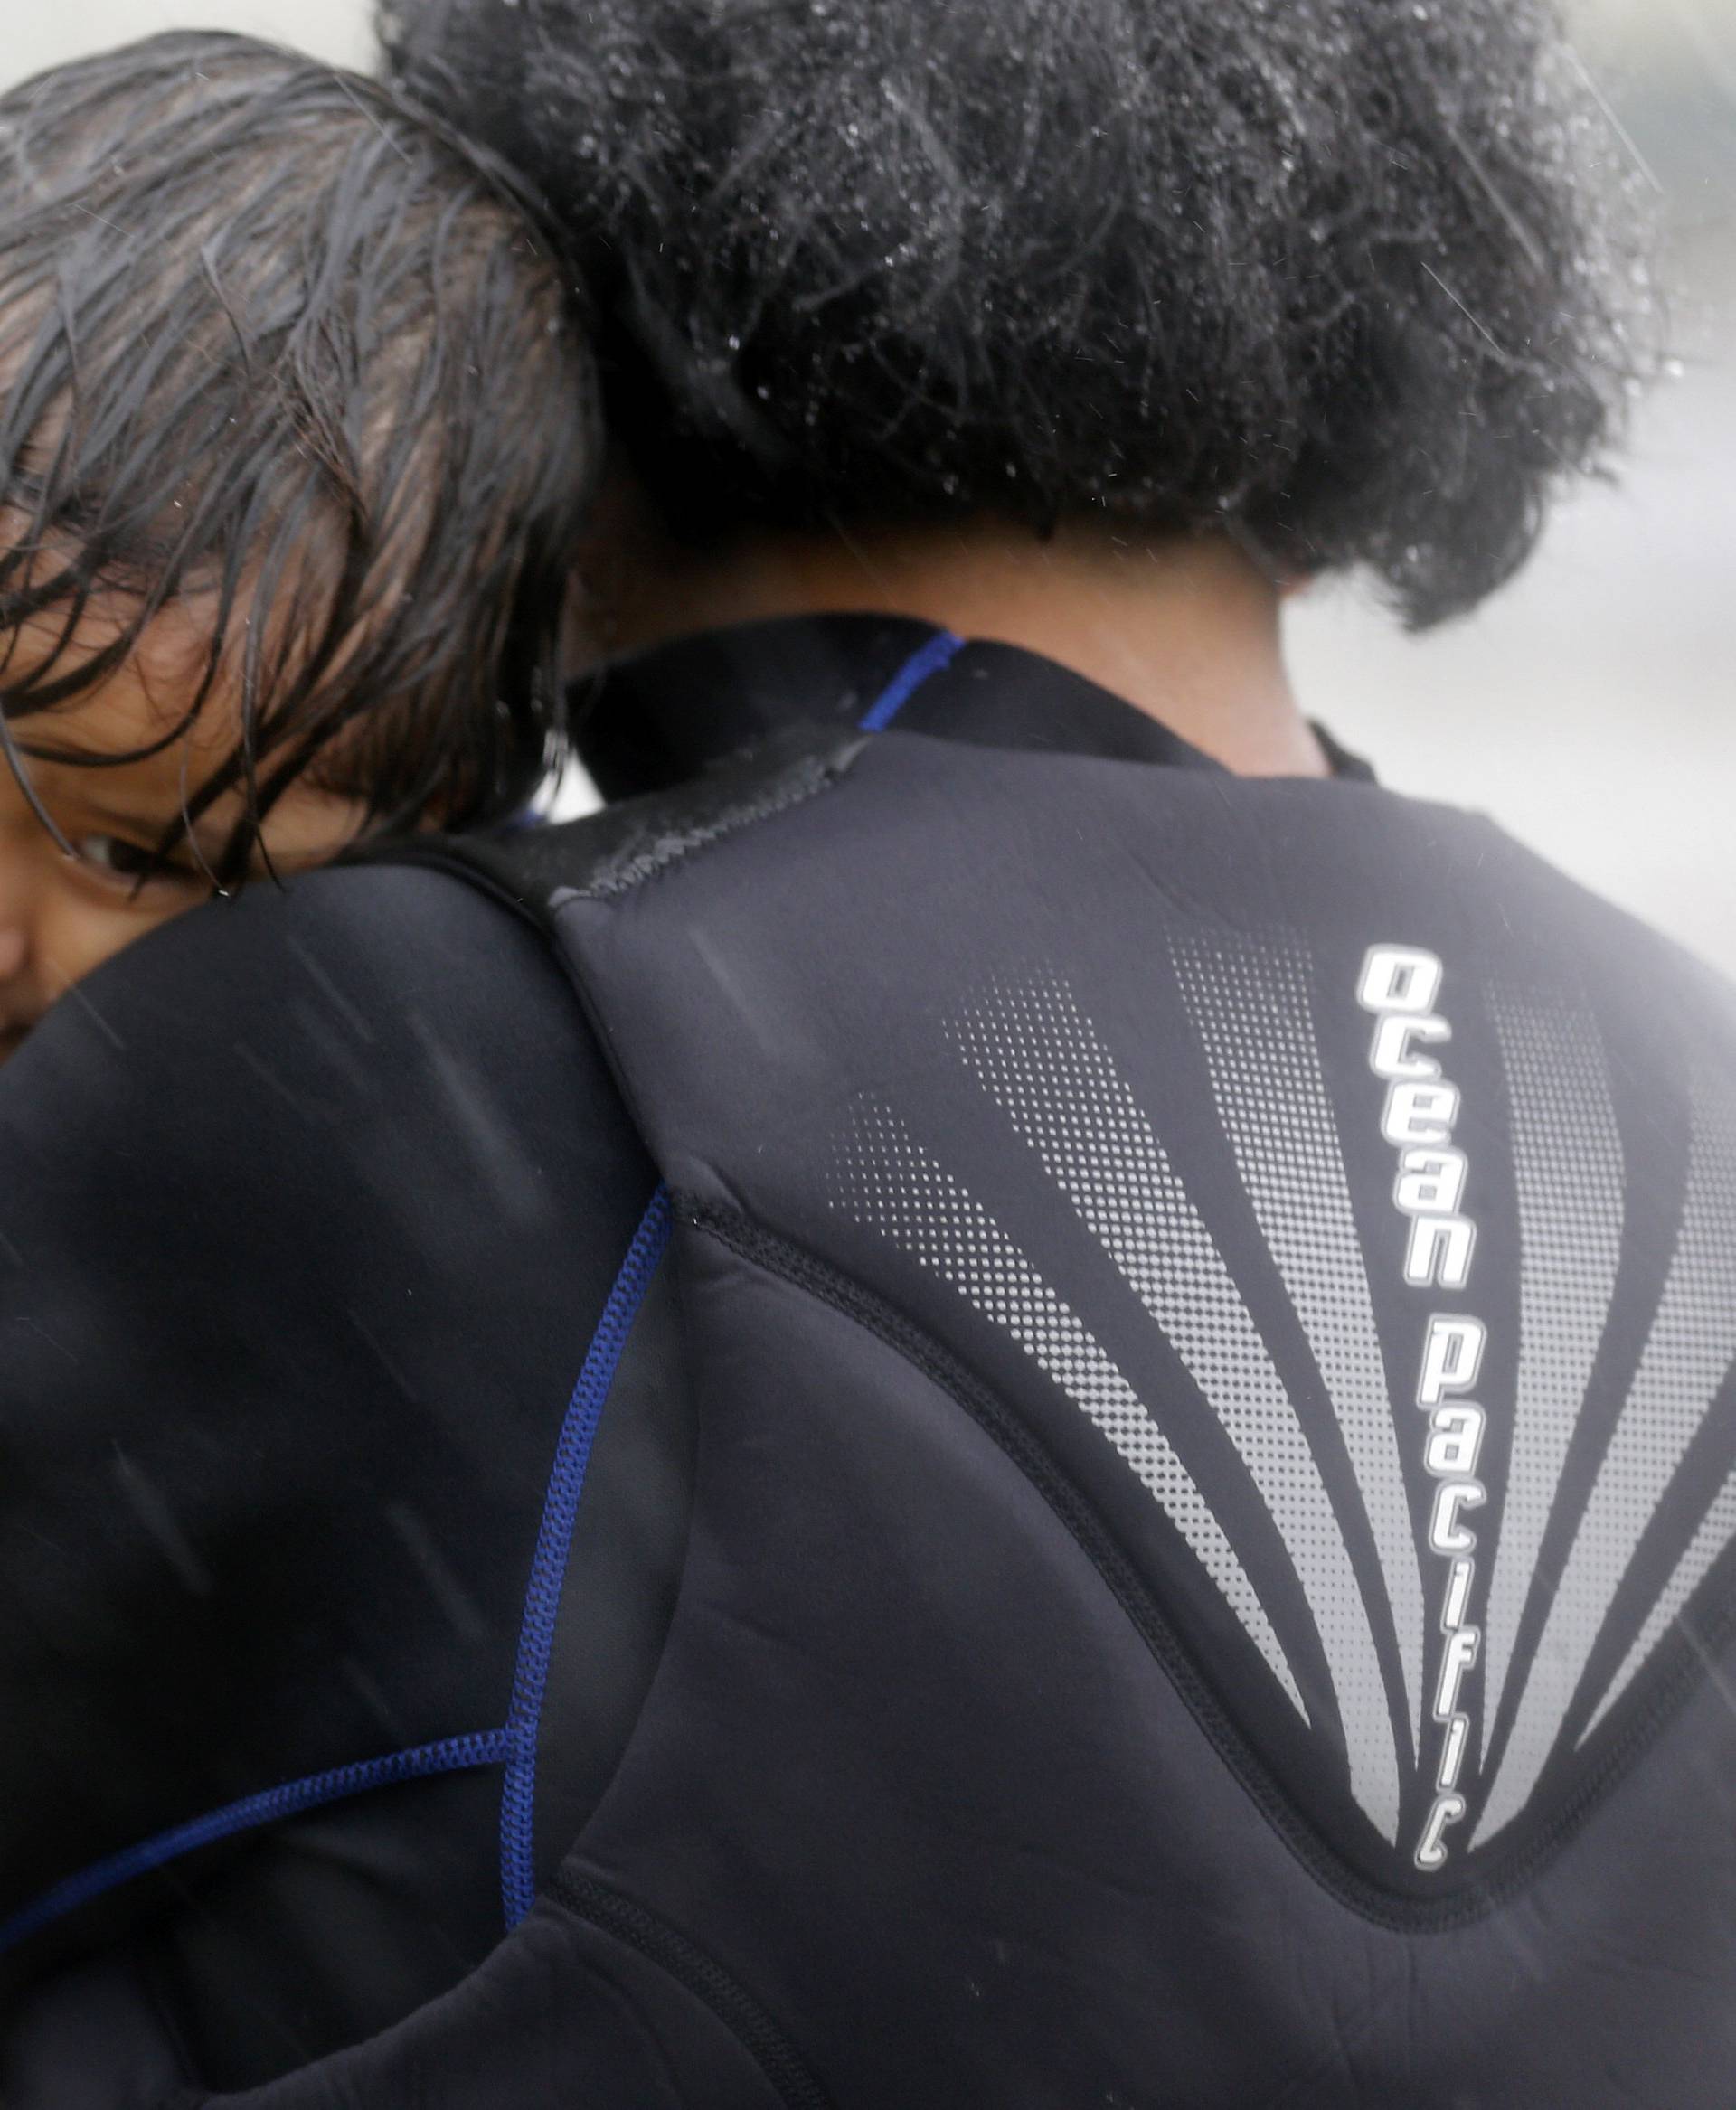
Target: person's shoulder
[
  {"x": 332, "y": 992},
  {"x": 612, "y": 851}
]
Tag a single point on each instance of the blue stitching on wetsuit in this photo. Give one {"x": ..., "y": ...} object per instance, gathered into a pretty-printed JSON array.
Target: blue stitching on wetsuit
[
  {"x": 549, "y": 1565},
  {"x": 515, "y": 1746},
  {"x": 452, "y": 1754},
  {"x": 937, "y": 652}
]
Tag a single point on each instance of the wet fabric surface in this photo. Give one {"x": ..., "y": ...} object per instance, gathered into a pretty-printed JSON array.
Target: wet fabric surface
[
  {"x": 935, "y": 1762},
  {"x": 308, "y": 1208}
]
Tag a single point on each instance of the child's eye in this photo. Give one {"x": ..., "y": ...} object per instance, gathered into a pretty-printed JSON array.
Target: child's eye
[{"x": 132, "y": 867}]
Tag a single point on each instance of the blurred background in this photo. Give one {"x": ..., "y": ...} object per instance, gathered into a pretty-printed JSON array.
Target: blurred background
[{"x": 1591, "y": 707}]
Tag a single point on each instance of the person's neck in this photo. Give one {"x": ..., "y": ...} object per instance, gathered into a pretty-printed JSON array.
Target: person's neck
[{"x": 1187, "y": 630}]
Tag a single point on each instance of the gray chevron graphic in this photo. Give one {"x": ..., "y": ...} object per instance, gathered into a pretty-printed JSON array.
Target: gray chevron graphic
[
  {"x": 1708, "y": 1543},
  {"x": 1041, "y": 1059},
  {"x": 1568, "y": 1166},
  {"x": 1690, "y": 1348},
  {"x": 1250, "y": 1010},
  {"x": 886, "y": 1180}
]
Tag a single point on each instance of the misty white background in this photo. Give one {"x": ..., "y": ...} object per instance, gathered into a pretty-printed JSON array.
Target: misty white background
[{"x": 1591, "y": 707}]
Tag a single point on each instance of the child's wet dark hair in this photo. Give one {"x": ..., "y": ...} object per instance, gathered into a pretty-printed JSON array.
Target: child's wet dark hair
[
  {"x": 278, "y": 348},
  {"x": 1324, "y": 272}
]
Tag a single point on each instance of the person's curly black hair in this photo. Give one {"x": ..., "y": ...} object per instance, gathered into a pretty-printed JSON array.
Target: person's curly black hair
[{"x": 1329, "y": 273}]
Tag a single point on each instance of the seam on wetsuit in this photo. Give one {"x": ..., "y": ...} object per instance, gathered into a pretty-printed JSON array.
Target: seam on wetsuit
[
  {"x": 639, "y": 861},
  {"x": 666, "y": 827},
  {"x": 655, "y": 853},
  {"x": 642, "y": 859},
  {"x": 791, "y": 2077},
  {"x": 926, "y": 661},
  {"x": 863, "y": 1307},
  {"x": 513, "y": 1745},
  {"x": 554, "y": 1542},
  {"x": 269, "y": 1806}
]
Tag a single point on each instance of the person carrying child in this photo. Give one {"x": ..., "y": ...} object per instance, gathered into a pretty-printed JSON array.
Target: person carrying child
[{"x": 1009, "y": 1394}]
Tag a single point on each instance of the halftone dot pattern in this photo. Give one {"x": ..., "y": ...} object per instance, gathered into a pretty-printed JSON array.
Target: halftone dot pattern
[
  {"x": 1568, "y": 1167},
  {"x": 885, "y": 1180},
  {"x": 1715, "y": 1532},
  {"x": 1041, "y": 1059},
  {"x": 1687, "y": 1354},
  {"x": 1250, "y": 1007}
]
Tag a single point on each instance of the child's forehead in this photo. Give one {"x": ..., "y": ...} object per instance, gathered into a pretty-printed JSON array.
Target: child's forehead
[
  {"x": 155, "y": 757},
  {"x": 149, "y": 696}
]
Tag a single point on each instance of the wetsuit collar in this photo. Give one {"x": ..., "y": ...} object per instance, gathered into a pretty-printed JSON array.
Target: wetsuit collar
[{"x": 661, "y": 716}]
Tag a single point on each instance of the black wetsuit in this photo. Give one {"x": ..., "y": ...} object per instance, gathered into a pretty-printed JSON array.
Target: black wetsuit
[{"x": 1029, "y": 1425}]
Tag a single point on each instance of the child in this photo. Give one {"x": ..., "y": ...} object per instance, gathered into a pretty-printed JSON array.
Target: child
[{"x": 297, "y": 427}]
